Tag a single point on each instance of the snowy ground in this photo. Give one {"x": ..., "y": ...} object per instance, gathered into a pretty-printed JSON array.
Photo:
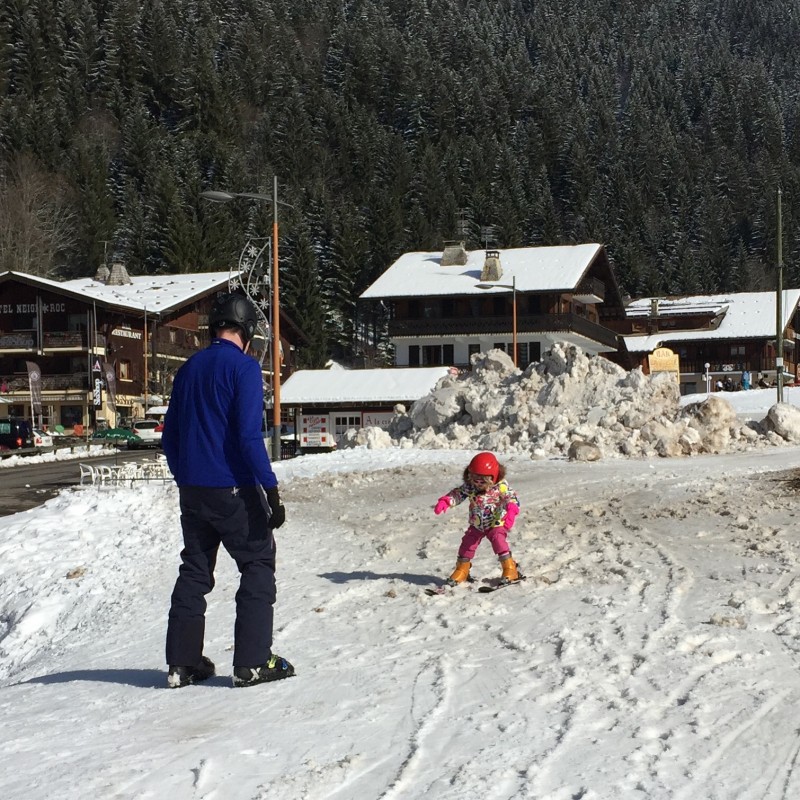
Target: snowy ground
[{"x": 652, "y": 653}]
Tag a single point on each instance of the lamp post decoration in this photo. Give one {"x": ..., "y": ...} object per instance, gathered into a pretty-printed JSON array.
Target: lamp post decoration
[
  {"x": 253, "y": 281},
  {"x": 251, "y": 278}
]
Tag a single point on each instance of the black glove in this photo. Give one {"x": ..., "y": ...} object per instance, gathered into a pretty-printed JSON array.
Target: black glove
[{"x": 277, "y": 512}]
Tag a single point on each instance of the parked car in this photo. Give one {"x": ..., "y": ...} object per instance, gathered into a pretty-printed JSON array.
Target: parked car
[
  {"x": 42, "y": 438},
  {"x": 115, "y": 435},
  {"x": 14, "y": 434},
  {"x": 148, "y": 433}
]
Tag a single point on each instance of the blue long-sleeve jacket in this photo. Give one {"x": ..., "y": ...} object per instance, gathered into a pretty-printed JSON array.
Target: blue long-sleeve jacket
[{"x": 212, "y": 431}]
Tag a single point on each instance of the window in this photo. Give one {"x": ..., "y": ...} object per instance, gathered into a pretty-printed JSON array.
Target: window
[
  {"x": 344, "y": 422},
  {"x": 448, "y": 354},
  {"x": 737, "y": 349},
  {"x": 472, "y": 349},
  {"x": 413, "y": 355},
  {"x": 499, "y": 346},
  {"x": 534, "y": 303},
  {"x": 76, "y": 322},
  {"x": 528, "y": 352},
  {"x": 432, "y": 355},
  {"x": 124, "y": 368}
]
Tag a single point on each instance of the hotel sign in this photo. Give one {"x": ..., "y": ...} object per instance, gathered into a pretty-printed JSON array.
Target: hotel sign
[{"x": 30, "y": 308}]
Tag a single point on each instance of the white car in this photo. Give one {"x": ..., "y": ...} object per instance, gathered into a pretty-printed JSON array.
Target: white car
[
  {"x": 41, "y": 439},
  {"x": 148, "y": 432}
]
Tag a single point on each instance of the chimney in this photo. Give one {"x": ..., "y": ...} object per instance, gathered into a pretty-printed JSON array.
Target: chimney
[
  {"x": 454, "y": 254},
  {"x": 652, "y": 320},
  {"x": 101, "y": 276},
  {"x": 119, "y": 275},
  {"x": 492, "y": 271}
]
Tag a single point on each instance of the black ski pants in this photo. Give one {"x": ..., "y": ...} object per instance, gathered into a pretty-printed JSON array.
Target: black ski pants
[{"x": 239, "y": 520}]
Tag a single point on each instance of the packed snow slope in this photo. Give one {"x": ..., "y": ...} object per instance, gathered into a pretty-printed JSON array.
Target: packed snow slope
[{"x": 652, "y": 653}]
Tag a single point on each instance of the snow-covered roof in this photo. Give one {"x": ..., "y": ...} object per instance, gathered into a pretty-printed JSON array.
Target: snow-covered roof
[
  {"x": 744, "y": 315},
  {"x": 535, "y": 269},
  {"x": 156, "y": 293},
  {"x": 677, "y": 306},
  {"x": 313, "y": 386}
]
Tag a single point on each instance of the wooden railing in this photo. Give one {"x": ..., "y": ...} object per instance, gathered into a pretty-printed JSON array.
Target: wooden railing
[{"x": 540, "y": 323}]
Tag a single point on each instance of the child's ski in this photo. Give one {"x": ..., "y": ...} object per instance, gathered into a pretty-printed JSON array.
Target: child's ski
[{"x": 486, "y": 589}]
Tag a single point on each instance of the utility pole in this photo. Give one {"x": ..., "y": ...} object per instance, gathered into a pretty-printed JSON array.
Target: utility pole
[{"x": 779, "y": 308}]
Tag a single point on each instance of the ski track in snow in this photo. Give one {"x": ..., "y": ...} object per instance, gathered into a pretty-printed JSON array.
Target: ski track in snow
[{"x": 637, "y": 633}]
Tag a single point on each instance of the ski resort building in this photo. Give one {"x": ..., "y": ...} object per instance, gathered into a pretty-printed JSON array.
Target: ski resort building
[
  {"x": 107, "y": 348},
  {"x": 732, "y": 333},
  {"x": 327, "y": 402},
  {"x": 445, "y": 306}
]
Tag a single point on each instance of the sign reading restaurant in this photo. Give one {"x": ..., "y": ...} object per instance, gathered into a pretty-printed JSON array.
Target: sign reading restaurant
[
  {"x": 126, "y": 333},
  {"x": 31, "y": 308}
]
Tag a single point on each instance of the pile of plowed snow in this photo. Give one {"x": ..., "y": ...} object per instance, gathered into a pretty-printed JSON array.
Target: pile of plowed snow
[{"x": 575, "y": 405}]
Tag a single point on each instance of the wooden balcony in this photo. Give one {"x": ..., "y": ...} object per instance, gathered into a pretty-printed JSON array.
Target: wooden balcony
[
  {"x": 175, "y": 350},
  {"x": 536, "y": 324},
  {"x": 51, "y": 383},
  {"x": 591, "y": 290},
  {"x": 52, "y": 341}
]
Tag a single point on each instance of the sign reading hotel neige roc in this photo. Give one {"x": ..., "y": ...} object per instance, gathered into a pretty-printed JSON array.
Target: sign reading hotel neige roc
[{"x": 663, "y": 359}]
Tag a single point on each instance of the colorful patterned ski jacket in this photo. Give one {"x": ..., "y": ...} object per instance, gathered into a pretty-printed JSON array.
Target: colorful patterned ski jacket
[{"x": 487, "y": 509}]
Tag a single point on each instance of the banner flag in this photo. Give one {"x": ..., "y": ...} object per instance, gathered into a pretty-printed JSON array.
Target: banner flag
[
  {"x": 97, "y": 384},
  {"x": 111, "y": 385},
  {"x": 35, "y": 382}
]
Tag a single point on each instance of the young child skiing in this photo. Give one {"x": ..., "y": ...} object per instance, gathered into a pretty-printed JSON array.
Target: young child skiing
[{"x": 493, "y": 507}]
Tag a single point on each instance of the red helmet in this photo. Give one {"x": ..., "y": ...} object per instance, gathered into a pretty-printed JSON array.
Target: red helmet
[{"x": 485, "y": 464}]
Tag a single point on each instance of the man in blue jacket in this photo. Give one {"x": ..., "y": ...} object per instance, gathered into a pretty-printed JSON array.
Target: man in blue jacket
[{"x": 228, "y": 495}]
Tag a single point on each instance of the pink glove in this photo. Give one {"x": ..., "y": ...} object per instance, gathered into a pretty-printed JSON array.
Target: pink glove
[
  {"x": 511, "y": 514},
  {"x": 442, "y": 505}
]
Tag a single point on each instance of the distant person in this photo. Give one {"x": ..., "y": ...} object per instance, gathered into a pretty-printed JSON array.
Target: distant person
[
  {"x": 718, "y": 386},
  {"x": 228, "y": 495},
  {"x": 493, "y": 507},
  {"x": 762, "y": 383},
  {"x": 727, "y": 385},
  {"x": 746, "y": 379}
]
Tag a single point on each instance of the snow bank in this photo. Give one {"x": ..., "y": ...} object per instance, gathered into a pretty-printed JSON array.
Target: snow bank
[{"x": 576, "y": 406}]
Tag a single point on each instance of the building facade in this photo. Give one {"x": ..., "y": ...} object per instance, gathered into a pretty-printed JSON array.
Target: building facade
[
  {"x": 445, "y": 306},
  {"x": 106, "y": 348},
  {"x": 734, "y": 334}
]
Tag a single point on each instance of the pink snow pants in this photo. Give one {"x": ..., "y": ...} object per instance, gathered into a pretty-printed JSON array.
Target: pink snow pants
[{"x": 472, "y": 538}]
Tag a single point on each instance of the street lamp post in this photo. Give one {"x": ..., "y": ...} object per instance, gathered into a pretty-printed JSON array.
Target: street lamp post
[
  {"x": 513, "y": 287},
  {"x": 224, "y": 197}
]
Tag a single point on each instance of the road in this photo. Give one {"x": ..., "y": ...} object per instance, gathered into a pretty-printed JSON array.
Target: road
[{"x": 28, "y": 486}]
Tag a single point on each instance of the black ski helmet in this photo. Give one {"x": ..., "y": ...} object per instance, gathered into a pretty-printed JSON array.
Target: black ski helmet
[{"x": 233, "y": 308}]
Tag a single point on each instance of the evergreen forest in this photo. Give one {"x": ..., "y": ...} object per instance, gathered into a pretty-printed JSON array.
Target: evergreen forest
[{"x": 664, "y": 130}]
